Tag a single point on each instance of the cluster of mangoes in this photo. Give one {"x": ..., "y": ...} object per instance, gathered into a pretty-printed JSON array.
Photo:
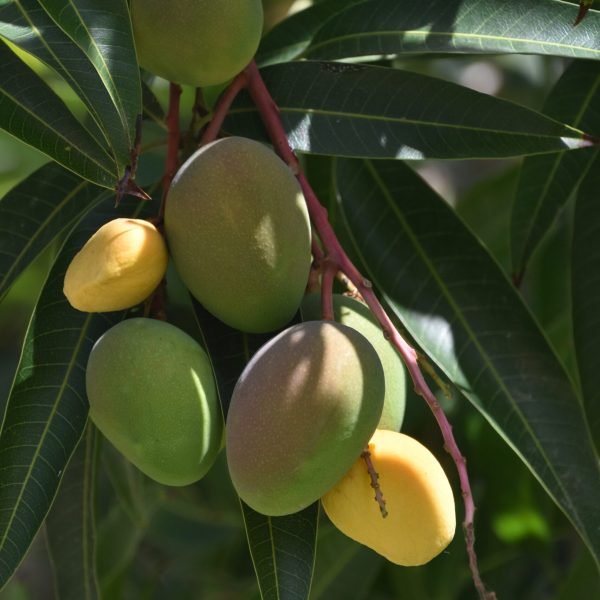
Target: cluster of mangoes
[{"x": 317, "y": 411}]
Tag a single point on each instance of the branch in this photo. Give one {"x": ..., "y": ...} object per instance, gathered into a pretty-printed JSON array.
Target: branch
[{"x": 269, "y": 114}]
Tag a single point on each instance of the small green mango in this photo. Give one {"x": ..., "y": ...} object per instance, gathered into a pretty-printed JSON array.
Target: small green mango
[
  {"x": 239, "y": 234},
  {"x": 301, "y": 413},
  {"x": 355, "y": 314},
  {"x": 196, "y": 42},
  {"x": 152, "y": 395}
]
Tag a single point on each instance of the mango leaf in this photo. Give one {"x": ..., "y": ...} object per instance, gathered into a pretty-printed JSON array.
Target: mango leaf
[
  {"x": 547, "y": 182},
  {"x": 282, "y": 548},
  {"x": 283, "y": 551},
  {"x": 344, "y": 568},
  {"x": 460, "y": 308},
  {"x": 585, "y": 275},
  {"x": 36, "y": 211},
  {"x": 102, "y": 30},
  {"x": 401, "y": 27},
  {"x": 27, "y": 25},
  {"x": 365, "y": 111},
  {"x": 32, "y": 112},
  {"x": 70, "y": 525},
  {"x": 47, "y": 407},
  {"x": 294, "y": 34}
]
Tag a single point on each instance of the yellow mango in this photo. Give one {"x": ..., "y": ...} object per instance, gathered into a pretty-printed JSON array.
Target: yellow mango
[
  {"x": 418, "y": 498},
  {"x": 117, "y": 268}
]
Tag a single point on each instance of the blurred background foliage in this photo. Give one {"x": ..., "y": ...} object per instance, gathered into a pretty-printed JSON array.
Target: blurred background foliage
[{"x": 155, "y": 542}]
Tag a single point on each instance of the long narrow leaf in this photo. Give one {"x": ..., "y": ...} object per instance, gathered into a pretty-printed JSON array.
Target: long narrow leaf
[
  {"x": 70, "y": 526},
  {"x": 365, "y": 111},
  {"x": 32, "y": 112},
  {"x": 456, "y": 302},
  {"x": 47, "y": 407},
  {"x": 547, "y": 182},
  {"x": 38, "y": 210},
  {"x": 283, "y": 552},
  {"x": 27, "y": 25},
  {"x": 102, "y": 30},
  {"x": 585, "y": 273},
  {"x": 392, "y": 27}
]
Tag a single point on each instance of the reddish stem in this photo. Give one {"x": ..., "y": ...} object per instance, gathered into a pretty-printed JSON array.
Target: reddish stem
[
  {"x": 330, "y": 270},
  {"x": 335, "y": 253},
  {"x": 222, "y": 108},
  {"x": 173, "y": 139}
]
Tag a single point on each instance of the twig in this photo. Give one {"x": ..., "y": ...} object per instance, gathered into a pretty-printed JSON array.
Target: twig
[
  {"x": 174, "y": 135},
  {"x": 335, "y": 253}
]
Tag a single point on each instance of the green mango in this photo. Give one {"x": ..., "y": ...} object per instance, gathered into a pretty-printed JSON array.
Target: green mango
[
  {"x": 301, "y": 413},
  {"x": 152, "y": 395},
  {"x": 355, "y": 314},
  {"x": 196, "y": 42},
  {"x": 239, "y": 234}
]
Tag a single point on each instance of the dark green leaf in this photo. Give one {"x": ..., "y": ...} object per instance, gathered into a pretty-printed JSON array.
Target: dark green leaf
[
  {"x": 392, "y": 27},
  {"x": 344, "y": 568},
  {"x": 38, "y": 210},
  {"x": 32, "y": 112},
  {"x": 27, "y": 25},
  {"x": 547, "y": 182},
  {"x": 70, "y": 526},
  {"x": 455, "y": 301},
  {"x": 292, "y": 36},
  {"x": 47, "y": 407},
  {"x": 374, "y": 112},
  {"x": 102, "y": 31},
  {"x": 283, "y": 552},
  {"x": 585, "y": 273}
]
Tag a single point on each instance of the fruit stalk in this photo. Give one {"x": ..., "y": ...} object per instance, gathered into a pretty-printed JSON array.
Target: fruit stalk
[
  {"x": 174, "y": 134},
  {"x": 269, "y": 113}
]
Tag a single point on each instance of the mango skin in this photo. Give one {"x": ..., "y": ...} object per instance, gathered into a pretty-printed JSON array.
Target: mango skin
[
  {"x": 152, "y": 395},
  {"x": 421, "y": 517},
  {"x": 239, "y": 234},
  {"x": 301, "y": 413},
  {"x": 117, "y": 268},
  {"x": 355, "y": 314},
  {"x": 196, "y": 42}
]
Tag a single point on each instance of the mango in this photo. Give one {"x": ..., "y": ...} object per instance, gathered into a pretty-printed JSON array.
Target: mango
[
  {"x": 239, "y": 234},
  {"x": 302, "y": 411},
  {"x": 117, "y": 268},
  {"x": 421, "y": 517},
  {"x": 152, "y": 395},
  {"x": 196, "y": 42},
  {"x": 357, "y": 315}
]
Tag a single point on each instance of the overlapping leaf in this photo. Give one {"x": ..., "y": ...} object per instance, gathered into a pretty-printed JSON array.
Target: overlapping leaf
[
  {"x": 365, "y": 111},
  {"x": 36, "y": 211},
  {"x": 113, "y": 107},
  {"x": 547, "y": 182},
  {"x": 70, "y": 526},
  {"x": 392, "y": 27},
  {"x": 585, "y": 273},
  {"x": 32, "y": 112},
  {"x": 283, "y": 552},
  {"x": 102, "y": 30},
  {"x": 458, "y": 305},
  {"x": 47, "y": 407},
  {"x": 291, "y": 37}
]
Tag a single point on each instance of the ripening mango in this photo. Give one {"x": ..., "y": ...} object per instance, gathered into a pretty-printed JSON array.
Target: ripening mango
[
  {"x": 302, "y": 411},
  {"x": 357, "y": 315},
  {"x": 152, "y": 395},
  {"x": 117, "y": 268},
  {"x": 196, "y": 42},
  {"x": 239, "y": 234},
  {"x": 418, "y": 498}
]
